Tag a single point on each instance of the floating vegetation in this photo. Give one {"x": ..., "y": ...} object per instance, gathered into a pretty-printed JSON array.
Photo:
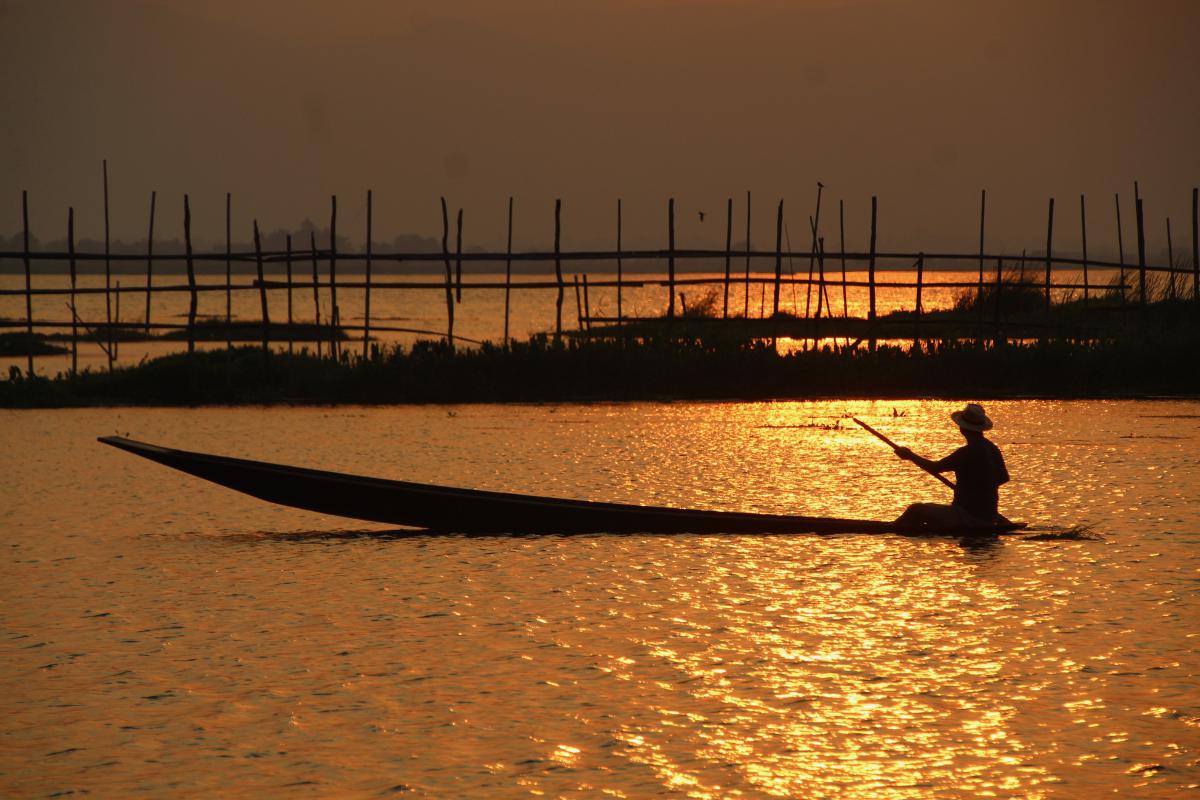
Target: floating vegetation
[
  {"x": 1076, "y": 533},
  {"x": 836, "y": 425},
  {"x": 1150, "y": 436}
]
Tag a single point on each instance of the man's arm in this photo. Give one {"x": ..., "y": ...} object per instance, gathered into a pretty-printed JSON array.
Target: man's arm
[{"x": 944, "y": 465}]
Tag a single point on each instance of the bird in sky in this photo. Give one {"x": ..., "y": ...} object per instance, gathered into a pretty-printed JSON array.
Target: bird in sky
[{"x": 702, "y": 216}]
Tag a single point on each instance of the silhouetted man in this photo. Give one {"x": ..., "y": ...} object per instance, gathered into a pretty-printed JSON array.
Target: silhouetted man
[{"x": 979, "y": 473}]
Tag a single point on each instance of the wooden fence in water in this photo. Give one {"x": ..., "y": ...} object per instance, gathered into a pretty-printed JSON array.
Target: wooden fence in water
[{"x": 819, "y": 280}]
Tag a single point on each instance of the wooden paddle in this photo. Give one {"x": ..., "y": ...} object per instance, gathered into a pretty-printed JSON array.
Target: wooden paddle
[{"x": 895, "y": 446}]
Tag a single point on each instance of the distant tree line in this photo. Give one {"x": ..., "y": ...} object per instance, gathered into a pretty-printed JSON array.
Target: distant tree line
[{"x": 272, "y": 240}]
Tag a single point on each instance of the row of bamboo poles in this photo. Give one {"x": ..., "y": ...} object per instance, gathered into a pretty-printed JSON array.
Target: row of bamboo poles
[{"x": 452, "y": 260}]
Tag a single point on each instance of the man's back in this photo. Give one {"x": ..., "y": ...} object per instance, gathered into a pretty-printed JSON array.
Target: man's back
[{"x": 979, "y": 472}]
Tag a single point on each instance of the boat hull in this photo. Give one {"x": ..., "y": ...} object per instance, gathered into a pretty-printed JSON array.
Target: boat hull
[{"x": 469, "y": 511}]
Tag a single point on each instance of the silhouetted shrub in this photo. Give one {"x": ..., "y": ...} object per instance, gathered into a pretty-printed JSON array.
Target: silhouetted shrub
[{"x": 1017, "y": 293}]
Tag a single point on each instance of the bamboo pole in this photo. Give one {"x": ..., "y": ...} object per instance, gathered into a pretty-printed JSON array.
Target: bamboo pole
[
  {"x": 746, "y": 309},
  {"x": 1139, "y": 223},
  {"x": 842, "y": 248},
  {"x": 1049, "y": 245},
  {"x": 449, "y": 275},
  {"x": 824, "y": 285},
  {"x": 821, "y": 268},
  {"x": 335, "y": 344},
  {"x": 288, "y": 263},
  {"x": 816, "y": 248},
  {"x": 262, "y": 291},
  {"x": 821, "y": 293},
  {"x": 1083, "y": 239},
  {"x": 893, "y": 445},
  {"x": 228, "y": 271},
  {"x": 778, "y": 256},
  {"x": 816, "y": 227},
  {"x": 999, "y": 288},
  {"x": 1120, "y": 245},
  {"x": 74, "y": 315},
  {"x": 871, "y": 274},
  {"x": 312, "y": 243},
  {"x": 164, "y": 326},
  {"x": 558, "y": 275},
  {"x": 366, "y": 290},
  {"x": 1170, "y": 262},
  {"x": 671, "y": 258},
  {"x": 270, "y": 257},
  {"x": 336, "y": 317},
  {"x": 1141, "y": 244},
  {"x": 108, "y": 318},
  {"x": 548, "y": 256},
  {"x": 620, "y": 310},
  {"x": 578, "y": 304},
  {"x": 587, "y": 306},
  {"x": 917, "y": 313},
  {"x": 150, "y": 261},
  {"x": 191, "y": 276},
  {"x": 458, "y": 255},
  {"x": 508, "y": 269},
  {"x": 29, "y": 283},
  {"x": 458, "y": 261},
  {"x": 728, "y": 253},
  {"x": 116, "y": 334},
  {"x": 982, "y": 219},
  {"x": 1195, "y": 247}
]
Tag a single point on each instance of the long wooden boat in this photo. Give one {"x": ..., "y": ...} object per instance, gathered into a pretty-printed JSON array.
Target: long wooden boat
[{"x": 469, "y": 511}]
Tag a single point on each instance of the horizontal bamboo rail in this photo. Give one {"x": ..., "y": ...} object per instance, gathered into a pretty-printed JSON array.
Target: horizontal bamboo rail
[
  {"x": 494, "y": 285},
  {"x": 182, "y": 326},
  {"x": 280, "y": 257}
]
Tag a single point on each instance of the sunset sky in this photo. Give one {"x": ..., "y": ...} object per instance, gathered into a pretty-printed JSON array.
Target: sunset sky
[{"x": 922, "y": 103}]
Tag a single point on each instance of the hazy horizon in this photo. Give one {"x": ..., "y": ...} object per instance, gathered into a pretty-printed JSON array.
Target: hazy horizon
[{"x": 283, "y": 104}]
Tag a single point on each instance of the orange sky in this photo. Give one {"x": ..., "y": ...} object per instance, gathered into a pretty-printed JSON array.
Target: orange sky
[{"x": 922, "y": 103}]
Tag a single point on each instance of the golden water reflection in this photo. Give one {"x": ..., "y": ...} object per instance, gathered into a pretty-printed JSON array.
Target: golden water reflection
[
  {"x": 156, "y": 626},
  {"x": 799, "y": 694}
]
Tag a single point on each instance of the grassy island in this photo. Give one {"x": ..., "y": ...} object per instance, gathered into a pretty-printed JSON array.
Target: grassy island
[{"x": 541, "y": 369}]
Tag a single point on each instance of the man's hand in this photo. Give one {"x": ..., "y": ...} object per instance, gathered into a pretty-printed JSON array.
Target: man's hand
[{"x": 904, "y": 453}]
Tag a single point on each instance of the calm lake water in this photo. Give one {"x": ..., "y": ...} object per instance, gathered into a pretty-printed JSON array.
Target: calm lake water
[{"x": 162, "y": 636}]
